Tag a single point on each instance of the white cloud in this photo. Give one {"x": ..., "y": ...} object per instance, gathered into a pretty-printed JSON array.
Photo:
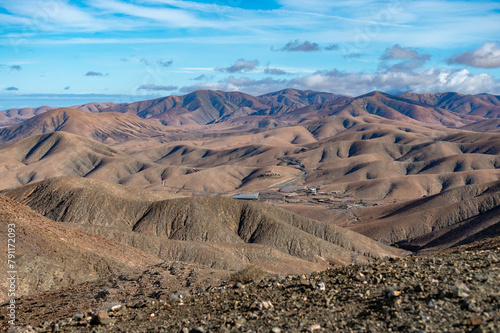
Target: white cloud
[
  {"x": 155, "y": 87},
  {"x": 485, "y": 56},
  {"x": 422, "y": 81},
  {"x": 410, "y": 57},
  {"x": 356, "y": 83},
  {"x": 48, "y": 15},
  {"x": 241, "y": 65},
  {"x": 168, "y": 16}
]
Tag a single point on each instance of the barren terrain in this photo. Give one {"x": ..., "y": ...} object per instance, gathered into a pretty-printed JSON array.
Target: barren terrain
[{"x": 104, "y": 190}]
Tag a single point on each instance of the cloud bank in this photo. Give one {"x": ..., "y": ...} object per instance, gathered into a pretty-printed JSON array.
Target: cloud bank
[
  {"x": 358, "y": 83},
  {"x": 154, "y": 87},
  {"x": 241, "y": 65},
  {"x": 306, "y": 46},
  {"x": 485, "y": 56}
]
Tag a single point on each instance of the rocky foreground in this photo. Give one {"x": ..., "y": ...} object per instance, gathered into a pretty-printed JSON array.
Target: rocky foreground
[{"x": 457, "y": 291}]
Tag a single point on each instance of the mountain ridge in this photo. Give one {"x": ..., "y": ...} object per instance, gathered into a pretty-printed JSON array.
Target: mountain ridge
[{"x": 205, "y": 107}]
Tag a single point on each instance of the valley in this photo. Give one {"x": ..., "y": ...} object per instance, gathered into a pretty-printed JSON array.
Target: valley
[{"x": 292, "y": 182}]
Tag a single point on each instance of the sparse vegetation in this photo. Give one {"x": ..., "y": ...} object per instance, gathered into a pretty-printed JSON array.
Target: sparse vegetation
[{"x": 251, "y": 273}]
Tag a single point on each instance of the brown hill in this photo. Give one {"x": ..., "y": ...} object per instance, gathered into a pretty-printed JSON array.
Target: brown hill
[
  {"x": 49, "y": 255},
  {"x": 459, "y": 215},
  {"x": 369, "y": 156},
  {"x": 103, "y": 127},
  {"x": 483, "y": 105},
  {"x": 387, "y": 160},
  {"x": 298, "y": 98},
  {"x": 486, "y": 126},
  {"x": 63, "y": 154},
  {"x": 212, "y": 107},
  {"x": 225, "y": 224},
  {"x": 383, "y": 105},
  {"x": 169, "y": 168},
  {"x": 12, "y": 117},
  {"x": 200, "y": 107}
]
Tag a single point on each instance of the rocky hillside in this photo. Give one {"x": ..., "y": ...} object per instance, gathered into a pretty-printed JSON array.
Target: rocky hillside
[
  {"x": 460, "y": 214},
  {"x": 49, "y": 255},
  {"x": 456, "y": 291},
  {"x": 246, "y": 228},
  {"x": 110, "y": 128}
]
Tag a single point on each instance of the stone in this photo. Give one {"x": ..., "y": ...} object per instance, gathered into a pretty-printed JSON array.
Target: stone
[
  {"x": 419, "y": 288},
  {"x": 115, "y": 308},
  {"x": 321, "y": 286},
  {"x": 314, "y": 327},
  {"x": 394, "y": 293},
  {"x": 102, "y": 294},
  {"x": 78, "y": 316},
  {"x": 101, "y": 318},
  {"x": 475, "y": 321},
  {"x": 265, "y": 305},
  {"x": 460, "y": 290}
]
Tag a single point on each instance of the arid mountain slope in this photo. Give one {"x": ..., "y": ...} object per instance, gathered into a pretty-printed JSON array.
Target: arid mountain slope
[
  {"x": 367, "y": 156},
  {"x": 483, "y": 105},
  {"x": 379, "y": 162},
  {"x": 200, "y": 107},
  {"x": 486, "y": 126},
  {"x": 209, "y": 220},
  {"x": 457, "y": 215},
  {"x": 166, "y": 169},
  {"x": 383, "y": 105},
  {"x": 49, "y": 255},
  {"x": 206, "y": 106},
  {"x": 384, "y": 296},
  {"x": 298, "y": 98},
  {"x": 12, "y": 117},
  {"x": 108, "y": 127},
  {"x": 290, "y": 106},
  {"x": 63, "y": 154}
]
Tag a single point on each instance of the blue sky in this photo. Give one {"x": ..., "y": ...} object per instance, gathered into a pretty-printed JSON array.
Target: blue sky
[{"x": 57, "y": 52}]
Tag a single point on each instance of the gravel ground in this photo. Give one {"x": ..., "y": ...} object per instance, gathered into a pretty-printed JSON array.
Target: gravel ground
[{"x": 457, "y": 291}]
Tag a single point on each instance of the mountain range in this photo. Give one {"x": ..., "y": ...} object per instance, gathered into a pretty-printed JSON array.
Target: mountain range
[
  {"x": 339, "y": 180},
  {"x": 209, "y": 107}
]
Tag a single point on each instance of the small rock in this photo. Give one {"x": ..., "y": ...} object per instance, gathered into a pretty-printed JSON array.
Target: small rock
[
  {"x": 419, "y": 288},
  {"x": 124, "y": 277},
  {"x": 276, "y": 330},
  {"x": 321, "y": 286},
  {"x": 478, "y": 329},
  {"x": 101, "y": 318},
  {"x": 102, "y": 294},
  {"x": 78, "y": 316},
  {"x": 475, "y": 321},
  {"x": 314, "y": 327},
  {"x": 115, "y": 308},
  {"x": 460, "y": 290},
  {"x": 265, "y": 305},
  {"x": 394, "y": 293},
  {"x": 304, "y": 282},
  {"x": 197, "y": 330}
]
